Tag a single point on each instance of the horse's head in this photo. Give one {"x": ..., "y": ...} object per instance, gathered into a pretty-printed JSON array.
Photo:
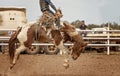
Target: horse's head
[
  {"x": 58, "y": 14},
  {"x": 79, "y": 45},
  {"x": 77, "y": 49}
]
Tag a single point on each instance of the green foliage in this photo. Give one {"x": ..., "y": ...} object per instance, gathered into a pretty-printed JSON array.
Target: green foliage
[
  {"x": 90, "y": 26},
  {"x": 113, "y": 26},
  {"x": 76, "y": 23}
]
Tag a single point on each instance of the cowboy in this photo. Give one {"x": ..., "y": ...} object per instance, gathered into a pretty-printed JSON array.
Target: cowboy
[{"x": 44, "y": 6}]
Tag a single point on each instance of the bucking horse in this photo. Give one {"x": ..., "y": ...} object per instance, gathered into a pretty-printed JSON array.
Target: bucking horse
[{"x": 45, "y": 31}]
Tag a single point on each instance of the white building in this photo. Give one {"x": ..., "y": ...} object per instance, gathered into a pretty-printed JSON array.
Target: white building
[{"x": 12, "y": 17}]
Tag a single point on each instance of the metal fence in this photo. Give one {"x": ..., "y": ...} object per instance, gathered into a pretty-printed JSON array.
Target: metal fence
[{"x": 69, "y": 44}]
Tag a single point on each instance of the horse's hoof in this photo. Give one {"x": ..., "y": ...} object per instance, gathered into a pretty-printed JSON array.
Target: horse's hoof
[
  {"x": 12, "y": 66},
  {"x": 66, "y": 65}
]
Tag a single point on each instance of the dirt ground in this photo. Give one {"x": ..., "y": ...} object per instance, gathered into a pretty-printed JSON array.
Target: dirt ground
[{"x": 88, "y": 64}]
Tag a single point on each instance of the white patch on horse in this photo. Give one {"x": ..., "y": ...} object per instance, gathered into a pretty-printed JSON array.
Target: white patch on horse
[
  {"x": 63, "y": 49},
  {"x": 22, "y": 36}
]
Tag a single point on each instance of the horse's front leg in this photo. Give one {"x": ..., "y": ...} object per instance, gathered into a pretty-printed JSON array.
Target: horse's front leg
[
  {"x": 16, "y": 55},
  {"x": 65, "y": 52},
  {"x": 63, "y": 49}
]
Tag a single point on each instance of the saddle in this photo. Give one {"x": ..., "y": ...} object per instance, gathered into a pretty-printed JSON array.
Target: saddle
[{"x": 47, "y": 19}]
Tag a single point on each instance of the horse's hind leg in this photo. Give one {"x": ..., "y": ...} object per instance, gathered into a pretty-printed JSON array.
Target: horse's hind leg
[{"x": 16, "y": 54}]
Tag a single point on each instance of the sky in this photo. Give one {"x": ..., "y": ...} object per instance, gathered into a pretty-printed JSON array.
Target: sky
[{"x": 92, "y": 11}]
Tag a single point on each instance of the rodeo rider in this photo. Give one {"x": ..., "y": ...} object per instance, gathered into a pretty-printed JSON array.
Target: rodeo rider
[{"x": 44, "y": 6}]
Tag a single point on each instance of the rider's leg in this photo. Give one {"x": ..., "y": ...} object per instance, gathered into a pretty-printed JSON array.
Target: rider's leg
[{"x": 57, "y": 22}]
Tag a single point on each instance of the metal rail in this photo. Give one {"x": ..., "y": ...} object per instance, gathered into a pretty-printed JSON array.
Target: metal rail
[
  {"x": 87, "y": 38},
  {"x": 67, "y": 44},
  {"x": 8, "y": 29}
]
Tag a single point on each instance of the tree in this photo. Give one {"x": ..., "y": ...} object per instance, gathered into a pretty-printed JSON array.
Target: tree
[
  {"x": 113, "y": 25},
  {"x": 76, "y": 23},
  {"x": 90, "y": 26}
]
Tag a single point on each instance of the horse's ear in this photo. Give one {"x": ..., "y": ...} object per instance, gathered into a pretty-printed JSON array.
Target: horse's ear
[{"x": 66, "y": 23}]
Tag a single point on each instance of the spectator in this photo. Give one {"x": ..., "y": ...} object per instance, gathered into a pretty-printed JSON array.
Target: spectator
[{"x": 83, "y": 27}]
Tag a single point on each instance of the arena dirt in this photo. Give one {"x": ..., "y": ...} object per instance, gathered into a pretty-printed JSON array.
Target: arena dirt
[{"x": 88, "y": 64}]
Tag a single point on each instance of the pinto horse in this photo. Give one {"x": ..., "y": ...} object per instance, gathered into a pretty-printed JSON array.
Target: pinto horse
[
  {"x": 30, "y": 32},
  {"x": 35, "y": 31}
]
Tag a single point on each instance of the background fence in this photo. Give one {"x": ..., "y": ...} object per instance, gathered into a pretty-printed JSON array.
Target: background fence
[{"x": 107, "y": 38}]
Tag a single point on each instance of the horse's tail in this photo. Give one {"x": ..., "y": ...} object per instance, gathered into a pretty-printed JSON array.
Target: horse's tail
[{"x": 12, "y": 42}]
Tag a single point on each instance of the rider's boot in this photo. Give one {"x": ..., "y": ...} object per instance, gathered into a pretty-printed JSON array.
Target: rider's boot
[{"x": 57, "y": 22}]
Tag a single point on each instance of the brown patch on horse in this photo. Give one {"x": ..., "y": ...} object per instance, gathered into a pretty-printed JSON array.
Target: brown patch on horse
[
  {"x": 67, "y": 37},
  {"x": 30, "y": 36},
  {"x": 56, "y": 35},
  {"x": 33, "y": 31},
  {"x": 84, "y": 44},
  {"x": 77, "y": 38},
  {"x": 43, "y": 35},
  {"x": 12, "y": 41}
]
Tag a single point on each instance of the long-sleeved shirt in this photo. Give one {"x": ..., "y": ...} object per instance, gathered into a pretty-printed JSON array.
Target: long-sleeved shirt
[{"x": 83, "y": 27}]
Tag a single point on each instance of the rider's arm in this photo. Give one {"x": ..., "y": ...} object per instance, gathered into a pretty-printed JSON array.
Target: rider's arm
[{"x": 51, "y": 4}]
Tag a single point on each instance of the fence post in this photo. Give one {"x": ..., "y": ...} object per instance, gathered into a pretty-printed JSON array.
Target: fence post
[{"x": 108, "y": 40}]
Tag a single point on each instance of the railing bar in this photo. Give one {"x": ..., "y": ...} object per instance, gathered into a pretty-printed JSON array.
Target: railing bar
[
  {"x": 77, "y": 30},
  {"x": 83, "y": 38},
  {"x": 43, "y": 44}
]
